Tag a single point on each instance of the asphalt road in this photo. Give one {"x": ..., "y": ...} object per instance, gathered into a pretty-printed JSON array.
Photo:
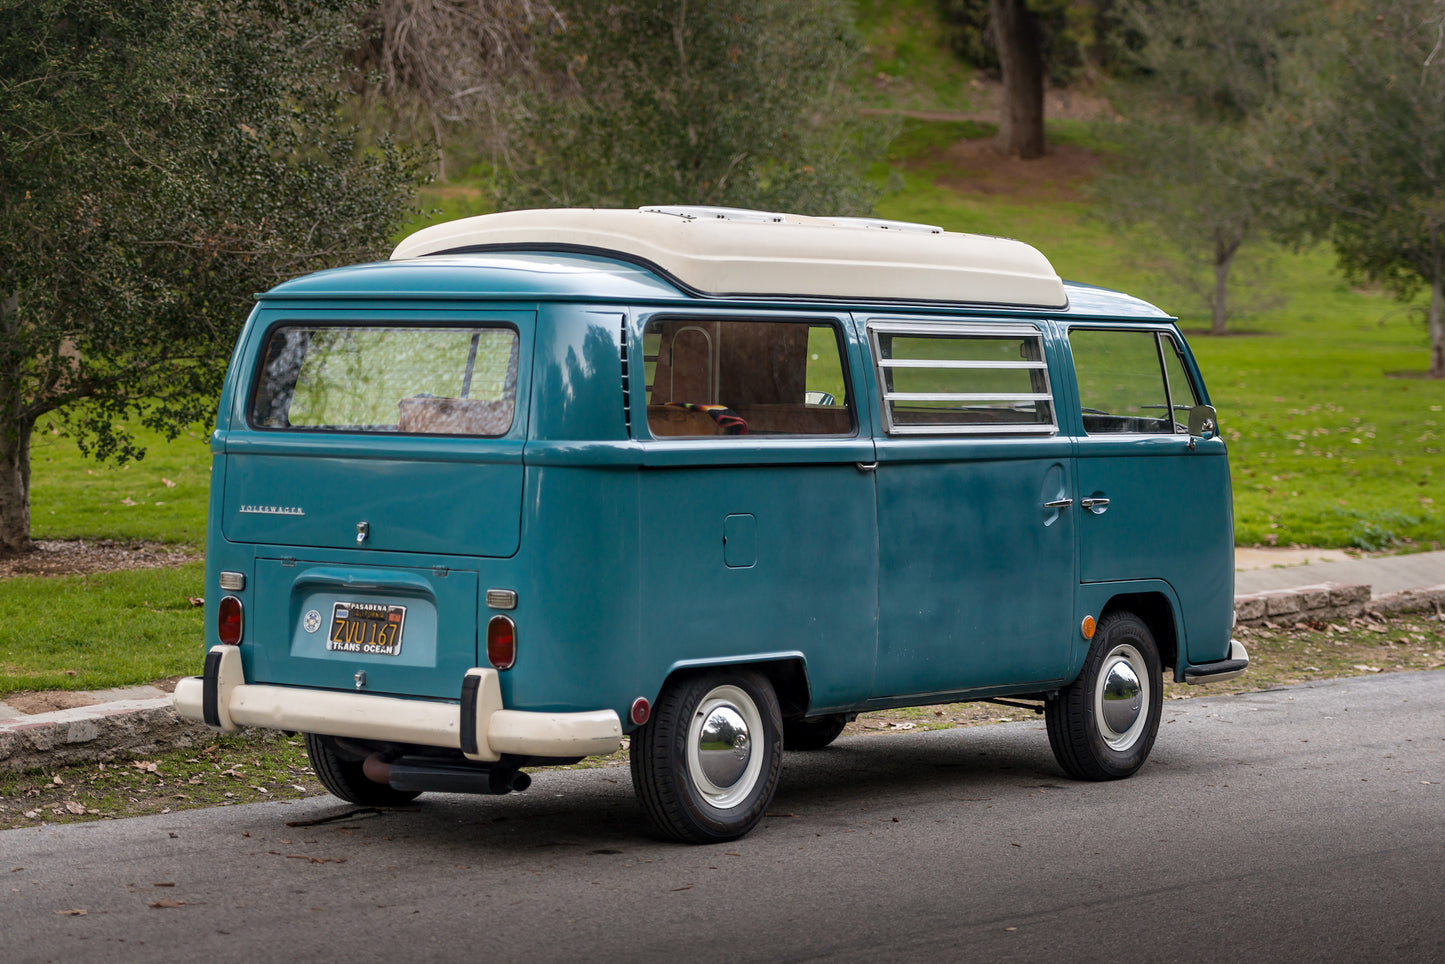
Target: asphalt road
[{"x": 1299, "y": 824}]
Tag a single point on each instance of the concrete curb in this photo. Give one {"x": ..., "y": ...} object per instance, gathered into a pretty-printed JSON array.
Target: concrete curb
[
  {"x": 1328, "y": 601},
  {"x": 97, "y": 733},
  {"x": 131, "y": 722}
]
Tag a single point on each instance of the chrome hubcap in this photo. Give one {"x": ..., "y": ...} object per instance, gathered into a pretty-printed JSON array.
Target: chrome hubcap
[
  {"x": 723, "y": 748},
  {"x": 1121, "y": 695},
  {"x": 720, "y": 757}
]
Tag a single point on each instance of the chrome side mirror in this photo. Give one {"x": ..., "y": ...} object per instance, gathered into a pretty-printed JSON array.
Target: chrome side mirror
[{"x": 1202, "y": 424}]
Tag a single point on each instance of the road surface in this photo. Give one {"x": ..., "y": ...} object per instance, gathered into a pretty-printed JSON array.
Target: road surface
[{"x": 1298, "y": 824}]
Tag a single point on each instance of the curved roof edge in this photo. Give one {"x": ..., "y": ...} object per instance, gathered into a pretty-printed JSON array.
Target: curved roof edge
[{"x": 729, "y": 252}]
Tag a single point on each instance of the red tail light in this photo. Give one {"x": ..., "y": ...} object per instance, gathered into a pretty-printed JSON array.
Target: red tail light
[
  {"x": 501, "y": 642},
  {"x": 229, "y": 619}
]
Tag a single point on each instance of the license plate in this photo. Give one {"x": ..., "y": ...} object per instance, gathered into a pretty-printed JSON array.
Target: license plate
[{"x": 372, "y": 628}]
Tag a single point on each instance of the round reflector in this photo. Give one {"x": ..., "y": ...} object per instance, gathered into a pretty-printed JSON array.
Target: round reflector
[
  {"x": 1088, "y": 627},
  {"x": 229, "y": 619},
  {"x": 641, "y": 710},
  {"x": 501, "y": 642}
]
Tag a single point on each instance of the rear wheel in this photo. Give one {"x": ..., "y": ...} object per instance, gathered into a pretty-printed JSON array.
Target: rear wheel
[
  {"x": 1102, "y": 726},
  {"x": 342, "y": 776},
  {"x": 812, "y": 734},
  {"x": 706, "y": 764}
]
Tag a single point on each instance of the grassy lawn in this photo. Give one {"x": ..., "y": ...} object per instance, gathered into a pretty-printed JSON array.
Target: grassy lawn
[
  {"x": 98, "y": 631},
  {"x": 161, "y": 498}
]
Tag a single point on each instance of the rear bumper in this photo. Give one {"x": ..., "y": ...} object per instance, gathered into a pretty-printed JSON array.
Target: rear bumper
[
  {"x": 1225, "y": 669},
  {"x": 478, "y": 725}
]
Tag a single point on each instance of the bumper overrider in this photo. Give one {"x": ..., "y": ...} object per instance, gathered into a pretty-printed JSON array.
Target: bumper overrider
[
  {"x": 478, "y": 725},
  {"x": 1225, "y": 669}
]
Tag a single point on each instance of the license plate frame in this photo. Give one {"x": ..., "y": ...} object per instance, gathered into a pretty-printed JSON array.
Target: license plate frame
[{"x": 366, "y": 628}]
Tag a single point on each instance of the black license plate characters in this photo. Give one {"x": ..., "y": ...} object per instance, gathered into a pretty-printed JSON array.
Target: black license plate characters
[{"x": 371, "y": 628}]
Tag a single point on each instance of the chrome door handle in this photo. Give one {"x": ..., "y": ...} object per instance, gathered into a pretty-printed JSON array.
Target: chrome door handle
[
  {"x": 1095, "y": 504},
  {"x": 1059, "y": 504},
  {"x": 867, "y": 466}
]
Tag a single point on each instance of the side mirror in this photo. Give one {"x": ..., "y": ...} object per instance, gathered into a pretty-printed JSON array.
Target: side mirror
[{"x": 1202, "y": 424}]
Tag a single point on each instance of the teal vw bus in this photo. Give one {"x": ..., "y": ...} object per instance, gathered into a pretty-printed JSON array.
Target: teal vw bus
[{"x": 712, "y": 480}]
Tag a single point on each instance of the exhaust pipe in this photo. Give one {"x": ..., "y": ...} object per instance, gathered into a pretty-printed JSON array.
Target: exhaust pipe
[
  {"x": 440, "y": 776},
  {"x": 376, "y": 769}
]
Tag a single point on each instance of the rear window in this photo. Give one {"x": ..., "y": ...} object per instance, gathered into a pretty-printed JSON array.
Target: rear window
[{"x": 416, "y": 381}]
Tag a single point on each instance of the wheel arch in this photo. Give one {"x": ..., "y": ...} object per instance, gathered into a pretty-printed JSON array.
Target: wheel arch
[
  {"x": 786, "y": 672},
  {"x": 1157, "y": 612}
]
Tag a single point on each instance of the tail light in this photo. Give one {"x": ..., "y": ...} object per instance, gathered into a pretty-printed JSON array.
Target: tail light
[
  {"x": 229, "y": 619},
  {"x": 501, "y": 642}
]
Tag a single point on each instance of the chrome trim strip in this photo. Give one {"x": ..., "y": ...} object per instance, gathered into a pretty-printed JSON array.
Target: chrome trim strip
[
  {"x": 960, "y": 363},
  {"x": 967, "y": 397}
]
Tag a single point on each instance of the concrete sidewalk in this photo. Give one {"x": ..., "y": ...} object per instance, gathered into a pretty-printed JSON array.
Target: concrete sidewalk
[
  {"x": 1383, "y": 574},
  {"x": 139, "y": 719}
]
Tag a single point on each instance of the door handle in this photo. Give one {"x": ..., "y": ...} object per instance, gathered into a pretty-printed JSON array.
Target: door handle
[
  {"x": 1095, "y": 504},
  {"x": 1059, "y": 504},
  {"x": 867, "y": 466}
]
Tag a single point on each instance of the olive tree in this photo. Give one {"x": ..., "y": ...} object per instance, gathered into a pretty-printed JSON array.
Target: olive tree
[
  {"x": 161, "y": 160},
  {"x": 734, "y": 102},
  {"x": 1360, "y": 149},
  {"x": 1189, "y": 164}
]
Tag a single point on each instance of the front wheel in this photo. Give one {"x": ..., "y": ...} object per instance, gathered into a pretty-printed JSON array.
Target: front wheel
[
  {"x": 706, "y": 764},
  {"x": 1102, "y": 726}
]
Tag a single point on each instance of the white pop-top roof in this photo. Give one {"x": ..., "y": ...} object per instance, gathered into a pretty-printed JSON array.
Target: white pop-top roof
[{"x": 727, "y": 251}]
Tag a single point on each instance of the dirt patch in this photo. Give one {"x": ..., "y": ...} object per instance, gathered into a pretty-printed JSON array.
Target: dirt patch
[
  {"x": 976, "y": 168},
  {"x": 31, "y": 703},
  {"x": 69, "y": 557}
]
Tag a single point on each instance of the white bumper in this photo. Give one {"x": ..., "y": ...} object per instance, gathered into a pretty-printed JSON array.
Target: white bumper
[{"x": 479, "y": 726}]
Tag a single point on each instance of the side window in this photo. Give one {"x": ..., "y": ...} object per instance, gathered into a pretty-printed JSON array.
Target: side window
[
  {"x": 948, "y": 380},
  {"x": 1122, "y": 389},
  {"x": 415, "y": 381},
  {"x": 721, "y": 377}
]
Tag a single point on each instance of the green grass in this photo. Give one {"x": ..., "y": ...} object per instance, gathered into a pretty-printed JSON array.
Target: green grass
[
  {"x": 98, "y": 631},
  {"x": 161, "y": 498},
  {"x": 908, "y": 64}
]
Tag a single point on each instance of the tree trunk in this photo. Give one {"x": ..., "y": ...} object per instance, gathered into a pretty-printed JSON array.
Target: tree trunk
[
  {"x": 15, "y": 487},
  {"x": 1437, "y": 322},
  {"x": 14, "y": 443},
  {"x": 1224, "y": 251},
  {"x": 1021, "y": 60}
]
